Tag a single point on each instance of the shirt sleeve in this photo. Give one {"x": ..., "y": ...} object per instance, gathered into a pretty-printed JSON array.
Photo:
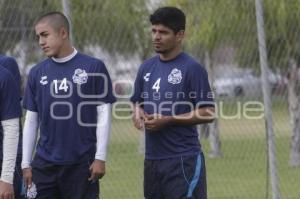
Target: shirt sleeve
[
  {"x": 200, "y": 91},
  {"x": 103, "y": 85},
  {"x": 11, "y": 65},
  {"x": 9, "y": 99},
  {"x": 29, "y": 102},
  {"x": 138, "y": 87}
]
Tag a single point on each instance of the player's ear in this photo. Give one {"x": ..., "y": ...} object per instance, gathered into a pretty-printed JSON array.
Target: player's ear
[
  {"x": 64, "y": 33},
  {"x": 180, "y": 35}
]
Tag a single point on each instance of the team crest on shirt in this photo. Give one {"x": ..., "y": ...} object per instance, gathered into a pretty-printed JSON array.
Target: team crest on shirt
[
  {"x": 80, "y": 76},
  {"x": 175, "y": 76}
]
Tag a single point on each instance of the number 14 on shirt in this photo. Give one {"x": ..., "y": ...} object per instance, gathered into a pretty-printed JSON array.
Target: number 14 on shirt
[{"x": 60, "y": 85}]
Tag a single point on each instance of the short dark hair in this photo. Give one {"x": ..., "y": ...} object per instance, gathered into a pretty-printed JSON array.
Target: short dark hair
[
  {"x": 170, "y": 17},
  {"x": 55, "y": 19}
]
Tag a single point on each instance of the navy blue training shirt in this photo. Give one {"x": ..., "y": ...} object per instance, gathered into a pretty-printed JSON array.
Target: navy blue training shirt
[
  {"x": 11, "y": 66},
  {"x": 65, "y": 96},
  {"x": 9, "y": 100},
  {"x": 171, "y": 88}
]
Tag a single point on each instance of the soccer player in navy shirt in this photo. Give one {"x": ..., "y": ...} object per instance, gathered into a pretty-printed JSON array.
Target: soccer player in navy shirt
[
  {"x": 68, "y": 98},
  {"x": 172, "y": 95},
  {"x": 10, "y": 112},
  {"x": 10, "y": 64}
]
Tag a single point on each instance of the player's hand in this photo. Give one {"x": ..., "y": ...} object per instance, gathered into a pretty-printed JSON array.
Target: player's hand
[
  {"x": 6, "y": 190},
  {"x": 27, "y": 177},
  {"x": 156, "y": 122},
  {"x": 97, "y": 170},
  {"x": 138, "y": 117}
]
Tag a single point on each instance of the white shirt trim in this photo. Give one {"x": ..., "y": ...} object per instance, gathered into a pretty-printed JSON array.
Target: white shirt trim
[{"x": 65, "y": 59}]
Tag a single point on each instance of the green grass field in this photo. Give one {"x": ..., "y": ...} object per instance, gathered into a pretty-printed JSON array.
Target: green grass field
[{"x": 239, "y": 174}]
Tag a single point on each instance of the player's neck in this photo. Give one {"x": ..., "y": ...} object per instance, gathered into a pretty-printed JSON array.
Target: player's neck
[
  {"x": 65, "y": 51},
  {"x": 170, "y": 55}
]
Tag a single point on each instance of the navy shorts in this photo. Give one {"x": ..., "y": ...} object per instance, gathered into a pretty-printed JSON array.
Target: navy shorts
[
  {"x": 175, "y": 178},
  {"x": 64, "y": 181}
]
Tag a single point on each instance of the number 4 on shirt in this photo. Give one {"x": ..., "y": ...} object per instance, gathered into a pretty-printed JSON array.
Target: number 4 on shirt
[{"x": 156, "y": 85}]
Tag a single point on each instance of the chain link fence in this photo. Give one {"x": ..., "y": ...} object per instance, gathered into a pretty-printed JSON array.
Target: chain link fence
[{"x": 221, "y": 35}]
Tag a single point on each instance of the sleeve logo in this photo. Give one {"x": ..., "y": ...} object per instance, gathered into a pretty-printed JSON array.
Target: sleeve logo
[
  {"x": 146, "y": 77},
  {"x": 80, "y": 76},
  {"x": 175, "y": 76}
]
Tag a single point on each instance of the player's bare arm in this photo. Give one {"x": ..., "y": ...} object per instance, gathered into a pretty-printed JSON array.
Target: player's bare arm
[{"x": 138, "y": 117}]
